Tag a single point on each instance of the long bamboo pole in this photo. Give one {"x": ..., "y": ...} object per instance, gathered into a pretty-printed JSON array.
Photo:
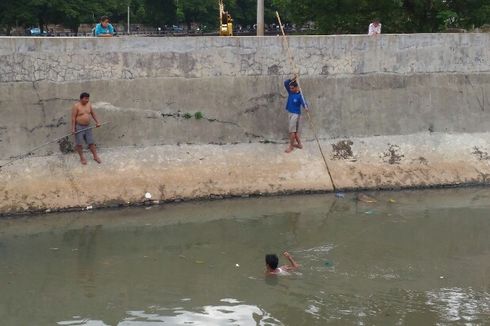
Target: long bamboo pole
[
  {"x": 296, "y": 72},
  {"x": 21, "y": 156}
]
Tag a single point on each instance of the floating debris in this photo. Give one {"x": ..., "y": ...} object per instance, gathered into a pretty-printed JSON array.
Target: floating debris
[
  {"x": 148, "y": 195},
  {"x": 365, "y": 198},
  {"x": 328, "y": 263},
  {"x": 339, "y": 195}
]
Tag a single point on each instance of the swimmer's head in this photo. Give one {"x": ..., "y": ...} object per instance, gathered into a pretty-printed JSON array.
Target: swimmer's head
[{"x": 272, "y": 261}]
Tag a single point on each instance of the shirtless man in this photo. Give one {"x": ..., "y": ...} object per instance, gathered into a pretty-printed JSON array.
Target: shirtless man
[
  {"x": 80, "y": 120},
  {"x": 272, "y": 262}
]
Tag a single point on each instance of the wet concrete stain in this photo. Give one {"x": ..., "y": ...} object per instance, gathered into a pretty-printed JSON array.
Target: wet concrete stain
[
  {"x": 480, "y": 154},
  {"x": 325, "y": 70},
  {"x": 392, "y": 155},
  {"x": 342, "y": 150},
  {"x": 422, "y": 160},
  {"x": 66, "y": 146},
  {"x": 2, "y": 131},
  {"x": 273, "y": 70}
]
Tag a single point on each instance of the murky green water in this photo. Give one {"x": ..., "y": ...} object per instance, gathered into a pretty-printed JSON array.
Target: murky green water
[{"x": 412, "y": 258}]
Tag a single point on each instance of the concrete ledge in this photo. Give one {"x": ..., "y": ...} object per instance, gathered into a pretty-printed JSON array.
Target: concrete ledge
[
  {"x": 394, "y": 111},
  {"x": 167, "y": 172},
  {"x": 200, "y": 171}
]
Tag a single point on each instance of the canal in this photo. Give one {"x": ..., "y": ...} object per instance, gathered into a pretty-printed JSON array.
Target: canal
[{"x": 409, "y": 258}]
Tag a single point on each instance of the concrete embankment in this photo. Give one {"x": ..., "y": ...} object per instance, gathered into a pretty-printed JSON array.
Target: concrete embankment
[{"x": 200, "y": 117}]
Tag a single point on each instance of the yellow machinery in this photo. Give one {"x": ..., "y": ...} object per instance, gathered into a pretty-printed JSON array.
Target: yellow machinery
[{"x": 226, "y": 22}]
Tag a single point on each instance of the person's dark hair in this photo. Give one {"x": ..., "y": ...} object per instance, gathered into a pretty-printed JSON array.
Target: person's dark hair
[
  {"x": 272, "y": 261},
  {"x": 104, "y": 18},
  {"x": 84, "y": 94},
  {"x": 293, "y": 83}
]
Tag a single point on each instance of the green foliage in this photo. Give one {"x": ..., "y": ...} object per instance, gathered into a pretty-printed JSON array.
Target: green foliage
[
  {"x": 161, "y": 12},
  {"x": 198, "y": 115},
  {"x": 328, "y": 16},
  {"x": 187, "y": 115},
  {"x": 203, "y": 11},
  {"x": 396, "y": 16}
]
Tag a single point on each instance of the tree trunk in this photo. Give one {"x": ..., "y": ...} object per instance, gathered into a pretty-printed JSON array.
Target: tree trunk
[{"x": 41, "y": 24}]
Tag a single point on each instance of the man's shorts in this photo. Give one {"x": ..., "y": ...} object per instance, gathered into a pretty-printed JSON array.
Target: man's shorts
[
  {"x": 294, "y": 122},
  {"x": 85, "y": 135}
]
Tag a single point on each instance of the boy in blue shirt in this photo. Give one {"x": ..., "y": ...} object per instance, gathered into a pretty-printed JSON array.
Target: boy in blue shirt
[
  {"x": 104, "y": 29},
  {"x": 293, "y": 106}
]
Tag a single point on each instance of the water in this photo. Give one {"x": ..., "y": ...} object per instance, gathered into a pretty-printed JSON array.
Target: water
[{"x": 412, "y": 258}]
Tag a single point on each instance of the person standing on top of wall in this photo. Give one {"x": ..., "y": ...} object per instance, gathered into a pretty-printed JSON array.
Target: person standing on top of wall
[
  {"x": 374, "y": 27},
  {"x": 104, "y": 28},
  {"x": 293, "y": 106}
]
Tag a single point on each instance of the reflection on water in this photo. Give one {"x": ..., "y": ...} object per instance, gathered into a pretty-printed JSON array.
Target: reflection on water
[
  {"x": 231, "y": 312},
  {"x": 456, "y": 304},
  {"x": 411, "y": 258}
]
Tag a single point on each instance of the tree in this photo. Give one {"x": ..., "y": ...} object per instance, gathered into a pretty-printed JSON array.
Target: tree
[
  {"x": 329, "y": 16},
  {"x": 200, "y": 11},
  {"x": 14, "y": 14},
  {"x": 161, "y": 12}
]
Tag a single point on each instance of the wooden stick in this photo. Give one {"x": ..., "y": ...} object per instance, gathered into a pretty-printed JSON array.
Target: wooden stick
[
  {"x": 296, "y": 72},
  {"x": 19, "y": 157}
]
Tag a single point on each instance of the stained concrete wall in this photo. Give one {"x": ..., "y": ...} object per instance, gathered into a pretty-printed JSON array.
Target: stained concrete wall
[{"x": 391, "y": 111}]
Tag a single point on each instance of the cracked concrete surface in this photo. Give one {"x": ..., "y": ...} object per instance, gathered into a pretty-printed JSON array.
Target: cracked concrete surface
[
  {"x": 200, "y": 171},
  {"x": 395, "y": 111}
]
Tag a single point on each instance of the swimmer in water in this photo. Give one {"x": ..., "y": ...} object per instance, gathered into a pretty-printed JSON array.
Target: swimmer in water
[{"x": 272, "y": 261}]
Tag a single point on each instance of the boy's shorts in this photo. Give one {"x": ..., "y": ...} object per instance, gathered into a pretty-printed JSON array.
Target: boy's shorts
[
  {"x": 294, "y": 122},
  {"x": 85, "y": 135}
]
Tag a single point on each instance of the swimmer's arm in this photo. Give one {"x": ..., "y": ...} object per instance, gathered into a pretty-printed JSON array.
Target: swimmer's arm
[
  {"x": 92, "y": 112},
  {"x": 74, "y": 112},
  {"x": 291, "y": 260}
]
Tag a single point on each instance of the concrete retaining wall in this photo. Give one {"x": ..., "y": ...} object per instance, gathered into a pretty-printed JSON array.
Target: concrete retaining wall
[{"x": 391, "y": 111}]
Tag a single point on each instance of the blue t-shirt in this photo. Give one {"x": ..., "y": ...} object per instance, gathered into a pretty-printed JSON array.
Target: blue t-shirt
[
  {"x": 100, "y": 30},
  {"x": 295, "y": 100}
]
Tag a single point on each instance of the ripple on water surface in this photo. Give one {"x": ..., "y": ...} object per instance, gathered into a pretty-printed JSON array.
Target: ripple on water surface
[{"x": 419, "y": 258}]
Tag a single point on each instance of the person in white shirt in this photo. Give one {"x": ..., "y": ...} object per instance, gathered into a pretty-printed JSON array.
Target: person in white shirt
[
  {"x": 272, "y": 262},
  {"x": 375, "y": 27}
]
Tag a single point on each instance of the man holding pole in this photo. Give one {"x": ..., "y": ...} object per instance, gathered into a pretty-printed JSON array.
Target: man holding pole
[
  {"x": 82, "y": 112},
  {"x": 293, "y": 106}
]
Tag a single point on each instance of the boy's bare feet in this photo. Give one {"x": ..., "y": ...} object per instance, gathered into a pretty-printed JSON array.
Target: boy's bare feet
[
  {"x": 97, "y": 159},
  {"x": 289, "y": 149},
  {"x": 83, "y": 160},
  {"x": 298, "y": 146}
]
